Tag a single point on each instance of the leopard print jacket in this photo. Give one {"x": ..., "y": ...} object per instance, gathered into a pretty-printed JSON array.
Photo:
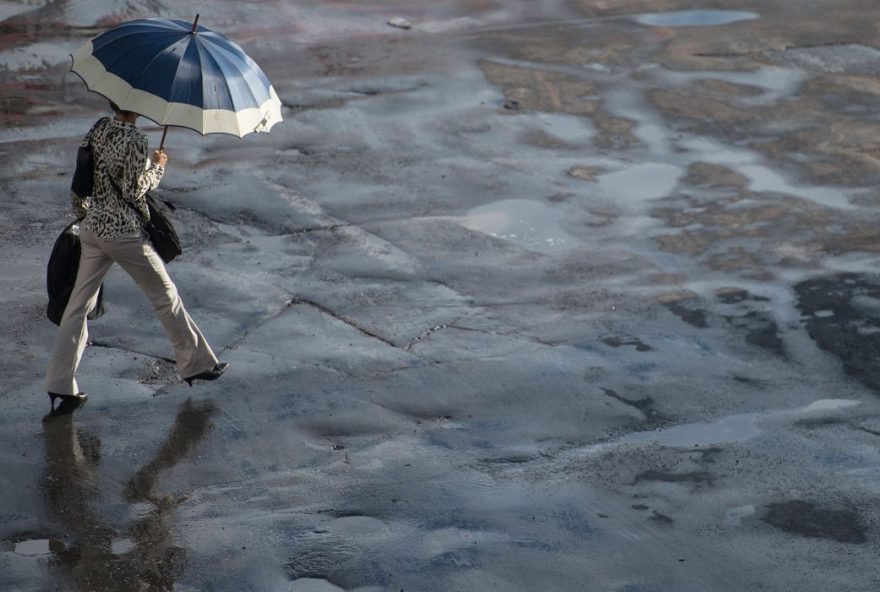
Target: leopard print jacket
[{"x": 118, "y": 149}]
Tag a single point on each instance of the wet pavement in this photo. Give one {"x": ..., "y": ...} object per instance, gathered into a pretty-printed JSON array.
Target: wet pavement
[{"x": 533, "y": 295}]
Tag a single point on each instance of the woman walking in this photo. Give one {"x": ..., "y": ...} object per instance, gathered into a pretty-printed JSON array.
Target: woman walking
[{"x": 111, "y": 231}]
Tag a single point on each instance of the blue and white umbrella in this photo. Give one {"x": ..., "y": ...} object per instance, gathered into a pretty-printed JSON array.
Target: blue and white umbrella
[{"x": 179, "y": 74}]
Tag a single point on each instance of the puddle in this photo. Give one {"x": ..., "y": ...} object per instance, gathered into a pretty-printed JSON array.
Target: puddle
[
  {"x": 735, "y": 428},
  {"x": 650, "y": 129},
  {"x": 11, "y": 9},
  {"x": 33, "y": 547},
  {"x": 850, "y": 58},
  {"x": 735, "y": 516},
  {"x": 36, "y": 56},
  {"x": 775, "y": 83},
  {"x": 357, "y": 525},
  {"x": 694, "y": 18},
  {"x": 567, "y": 128},
  {"x": 763, "y": 179},
  {"x": 531, "y": 223},
  {"x": 641, "y": 182},
  {"x": 829, "y": 405},
  {"x": 122, "y": 546}
]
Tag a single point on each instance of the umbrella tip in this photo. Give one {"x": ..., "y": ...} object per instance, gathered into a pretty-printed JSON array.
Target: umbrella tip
[{"x": 195, "y": 22}]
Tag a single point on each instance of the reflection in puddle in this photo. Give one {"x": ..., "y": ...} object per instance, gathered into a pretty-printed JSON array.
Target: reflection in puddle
[
  {"x": 694, "y": 18},
  {"x": 98, "y": 559},
  {"x": 532, "y": 223}
]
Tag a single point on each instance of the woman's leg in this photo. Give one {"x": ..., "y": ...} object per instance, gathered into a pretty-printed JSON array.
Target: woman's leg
[
  {"x": 73, "y": 332},
  {"x": 138, "y": 258}
]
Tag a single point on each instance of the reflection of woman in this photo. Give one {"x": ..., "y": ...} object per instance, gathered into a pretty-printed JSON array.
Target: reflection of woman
[
  {"x": 112, "y": 232},
  {"x": 70, "y": 464},
  {"x": 89, "y": 560}
]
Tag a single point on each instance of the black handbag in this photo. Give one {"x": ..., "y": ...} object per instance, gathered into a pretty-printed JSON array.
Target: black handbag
[
  {"x": 161, "y": 231},
  {"x": 83, "y": 183},
  {"x": 61, "y": 275}
]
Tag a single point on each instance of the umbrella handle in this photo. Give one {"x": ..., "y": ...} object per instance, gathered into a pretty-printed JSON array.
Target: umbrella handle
[{"x": 162, "y": 143}]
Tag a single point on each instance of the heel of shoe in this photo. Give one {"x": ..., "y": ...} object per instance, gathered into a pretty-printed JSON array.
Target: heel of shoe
[
  {"x": 68, "y": 404},
  {"x": 212, "y": 374},
  {"x": 79, "y": 397}
]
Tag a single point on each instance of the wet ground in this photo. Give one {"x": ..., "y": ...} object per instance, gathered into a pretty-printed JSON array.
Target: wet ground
[{"x": 534, "y": 295}]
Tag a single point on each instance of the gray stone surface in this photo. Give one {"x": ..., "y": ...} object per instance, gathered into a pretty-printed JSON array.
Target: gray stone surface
[{"x": 534, "y": 295}]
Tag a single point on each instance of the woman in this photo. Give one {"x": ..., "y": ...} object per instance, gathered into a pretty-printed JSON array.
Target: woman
[{"x": 112, "y": 231}]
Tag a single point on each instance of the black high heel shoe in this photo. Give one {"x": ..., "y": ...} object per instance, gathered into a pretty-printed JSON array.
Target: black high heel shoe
[
  {"x": 212, "y": 374},
  {"x": 77, "y": 398},
  {"x": 68, "y": 404}
]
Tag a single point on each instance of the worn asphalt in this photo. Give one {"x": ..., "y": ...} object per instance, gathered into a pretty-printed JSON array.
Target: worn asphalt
[{"x": 563, "y": 295}]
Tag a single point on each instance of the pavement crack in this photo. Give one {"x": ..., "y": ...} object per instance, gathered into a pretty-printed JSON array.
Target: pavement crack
[
  {"x": 105, "y": 345},
  {"x": 326, "y": 228},
  {"x": 822, "y": 44},
  {"x": 344, "y": 319},
  {"x": 726, "y": 54},
  {"x": 510, "y": 335},
  {"x": 260, "y": 323},
  {"x": 430, "y": 332}
]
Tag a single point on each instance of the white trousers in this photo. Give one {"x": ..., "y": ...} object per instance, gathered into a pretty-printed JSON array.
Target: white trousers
[{"x": 138, "y": 258}]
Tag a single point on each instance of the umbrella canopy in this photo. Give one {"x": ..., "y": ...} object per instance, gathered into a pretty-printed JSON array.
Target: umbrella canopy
[{"x": 181, "y": 74}]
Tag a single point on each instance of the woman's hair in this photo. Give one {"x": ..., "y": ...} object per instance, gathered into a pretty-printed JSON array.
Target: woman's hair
[{"x": 122, "y": 112}]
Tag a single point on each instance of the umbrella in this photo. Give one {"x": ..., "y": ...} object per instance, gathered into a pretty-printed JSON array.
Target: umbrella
[{"x": 179, "y": 74}]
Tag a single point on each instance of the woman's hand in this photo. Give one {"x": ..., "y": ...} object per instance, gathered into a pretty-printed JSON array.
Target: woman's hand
[{"x": 159, "y": 157}]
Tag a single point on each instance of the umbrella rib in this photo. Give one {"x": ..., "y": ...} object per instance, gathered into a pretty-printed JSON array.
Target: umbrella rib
[
  {"x": 155, "y": 58},
  {"x": 180, "y": 62},
  {"x": 243, "y": 73},
  {"x": 253, "y": 69},
  {"x": 206, "y": 55}
]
